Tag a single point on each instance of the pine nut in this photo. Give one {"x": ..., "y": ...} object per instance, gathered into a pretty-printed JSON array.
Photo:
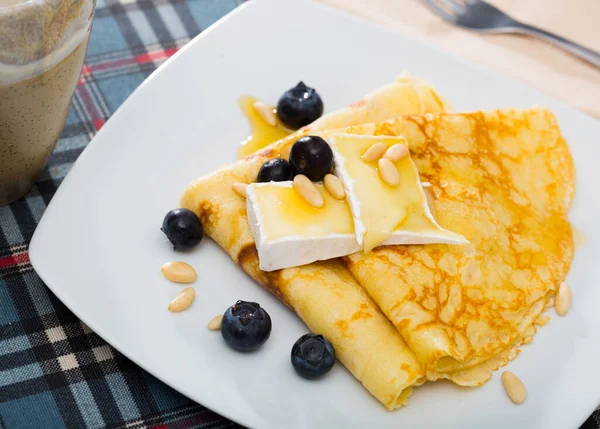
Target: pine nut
[
  {"x": 396, "y": 152},
  {"x": 334, "y": 187},
  {"x": 542, "y": 320},
  {"x": 265, "y": 112},
  {"x": 215, "y": 323},
  {"x": 563, "y": 299},
  {"x": 183, "y": 300},
  {"x": 389, "y": 173},
  {"x": 514, "y": 387},
  {"x": 374, "y": 152},
  {"x": 308, "y": 191},
  {"x": 179, "y": 272},
  {"x": 240, "y": 189}
]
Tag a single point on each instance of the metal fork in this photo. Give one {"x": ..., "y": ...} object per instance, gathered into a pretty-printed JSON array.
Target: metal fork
[{"x": 480, "y": 16}]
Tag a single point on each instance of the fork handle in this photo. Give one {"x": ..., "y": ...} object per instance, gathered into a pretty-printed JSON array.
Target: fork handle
[{"x": 586, "y": 54}]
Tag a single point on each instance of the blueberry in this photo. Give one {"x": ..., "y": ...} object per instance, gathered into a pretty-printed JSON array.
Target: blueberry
[
  {"x": 275, "y": 170},
  {"x": 299, "y": 106},
  {"x": 312, "y": 356},
  {"x": 183, "y": 228},
  {"x": 311, "y": 156},
  {"x": 245, "y": 326}
]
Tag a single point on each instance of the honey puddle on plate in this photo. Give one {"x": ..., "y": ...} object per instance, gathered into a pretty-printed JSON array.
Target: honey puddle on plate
[{"x": 262, "y": 133}]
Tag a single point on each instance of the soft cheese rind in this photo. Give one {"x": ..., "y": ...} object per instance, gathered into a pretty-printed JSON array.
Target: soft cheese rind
[{"x": 294, "y": 250}]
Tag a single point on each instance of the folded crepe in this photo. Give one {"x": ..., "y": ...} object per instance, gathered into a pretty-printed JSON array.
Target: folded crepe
[
  {"x": 404, "y": 96},
  {"x": 324, "y": 295},
  {"x": 504, "y": 180}
]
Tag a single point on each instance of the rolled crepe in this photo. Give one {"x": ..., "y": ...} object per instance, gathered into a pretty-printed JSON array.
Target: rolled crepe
[
  {"x": 324, "y": 295},
  {"x": 504, "y": 180},
  {"x": 406, "y": 95}
]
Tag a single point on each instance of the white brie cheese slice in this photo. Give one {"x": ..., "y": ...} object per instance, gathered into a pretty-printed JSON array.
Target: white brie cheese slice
[
  {"x": 384, "y": 215},
  {"x": 288, "y": 232}
]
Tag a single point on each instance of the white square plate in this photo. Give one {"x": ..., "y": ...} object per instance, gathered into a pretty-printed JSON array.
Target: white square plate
[{"x": 99, "y": 248}]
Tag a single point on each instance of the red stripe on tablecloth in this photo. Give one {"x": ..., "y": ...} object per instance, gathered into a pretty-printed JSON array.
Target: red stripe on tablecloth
[
  {"x": 156, "y": 55},
  {"x": 159, "y": 427},
  {"x": 123, "y": 62},
  {"x": 90, "y": 107},
  {"x": 85, "y": 71},
  {"x": 16, "y": 259},
  {"x": 108, "y": 65}
]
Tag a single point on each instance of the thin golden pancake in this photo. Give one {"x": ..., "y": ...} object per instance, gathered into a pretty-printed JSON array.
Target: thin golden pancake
[
  {"x": 405, "y": 95},
  {"x": 504, "y": 180},
  {"x": 324, "y": 295}
]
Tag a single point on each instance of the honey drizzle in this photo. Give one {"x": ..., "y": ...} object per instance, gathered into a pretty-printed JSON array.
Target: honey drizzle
[{"x": 262, "y": 134}]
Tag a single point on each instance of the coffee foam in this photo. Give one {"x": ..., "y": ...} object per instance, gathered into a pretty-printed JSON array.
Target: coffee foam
[{"x": 54, "y": 28}]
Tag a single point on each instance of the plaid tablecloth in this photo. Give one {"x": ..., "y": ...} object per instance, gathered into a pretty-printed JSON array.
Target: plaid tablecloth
[{"x": 54, "y": 371}]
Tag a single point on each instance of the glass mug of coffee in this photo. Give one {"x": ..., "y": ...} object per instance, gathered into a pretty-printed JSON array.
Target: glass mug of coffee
[{"x": 42, "y": 48}]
